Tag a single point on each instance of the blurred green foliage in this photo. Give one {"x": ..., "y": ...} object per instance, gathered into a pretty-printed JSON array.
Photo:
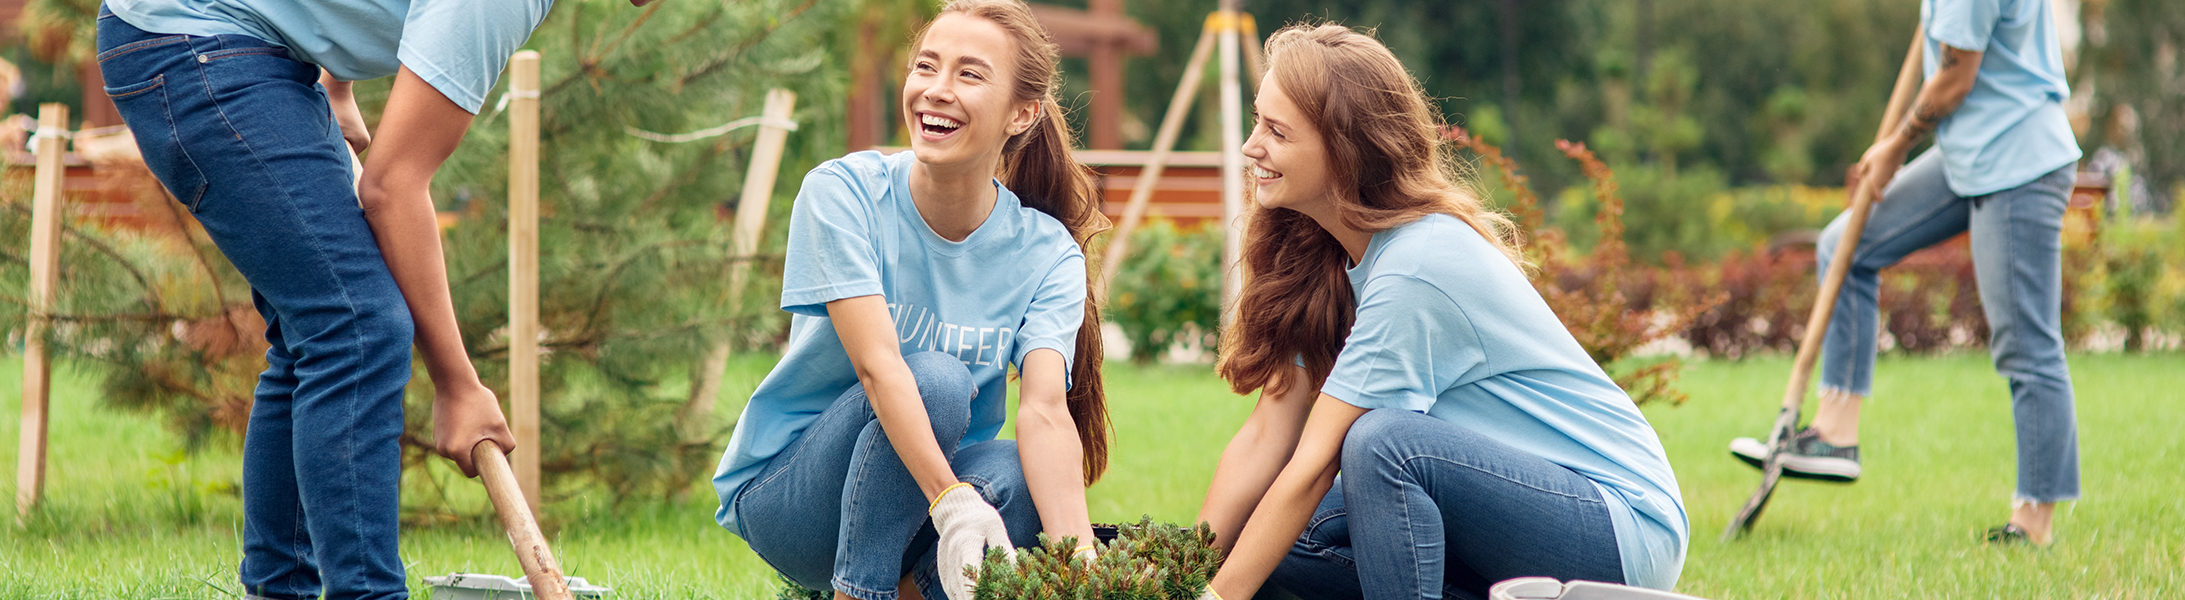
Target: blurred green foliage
[{"x": 1168, "y": 291}]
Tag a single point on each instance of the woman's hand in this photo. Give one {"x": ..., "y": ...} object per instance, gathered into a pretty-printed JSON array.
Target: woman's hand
[
  {"x": 464, "y": 416},
  {"x": 1288, "y": 505},
  {"x": 342, "y": 99},
  {"x": 968, "y": 526},
  {"x": 1255, "y": 455},
  {"x": 1878, "y": 166}
]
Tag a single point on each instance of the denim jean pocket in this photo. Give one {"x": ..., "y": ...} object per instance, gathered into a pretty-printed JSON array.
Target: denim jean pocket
[
  {"x": 252, "y": 63},
  {"x": 144, "y": 107}
]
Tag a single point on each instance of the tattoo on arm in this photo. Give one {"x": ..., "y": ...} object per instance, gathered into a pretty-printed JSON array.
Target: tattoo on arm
[
  {"x": 1928, "y": 113},
  {"x": 1925, "y": 116}
]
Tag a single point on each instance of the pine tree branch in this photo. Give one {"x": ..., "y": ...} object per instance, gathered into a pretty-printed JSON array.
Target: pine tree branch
[
  {"x": 690, "y": 174},
  {"x": 596, "y": 55},
  {"x": 150, "y": 317},
  {"x": 614, "y": 274},
  {"x": 696, "y": 28},
  {"x": 152, "y": 299},
  {"x": 745, "y": 45},
  {"x": 497, "y": 267}
]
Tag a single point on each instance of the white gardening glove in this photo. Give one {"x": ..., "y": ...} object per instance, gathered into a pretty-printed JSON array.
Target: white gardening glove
[
  {"x": 968, "y": 525},
  {"x": 1210, "y": 595}
]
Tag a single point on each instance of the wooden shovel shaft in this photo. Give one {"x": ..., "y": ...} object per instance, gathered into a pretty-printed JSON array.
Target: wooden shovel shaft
[
  {"x": 1824, "y": 302},
  {"x": 539, "y": 566},
  {"x": 1862, "y": 203},
  {"x": 1179, "y": 107}
]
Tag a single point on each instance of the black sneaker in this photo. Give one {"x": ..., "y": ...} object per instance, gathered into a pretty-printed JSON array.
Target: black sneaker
[
  {"x": 1809, "y": 458},
  {"x": 2009, "y": 534}
]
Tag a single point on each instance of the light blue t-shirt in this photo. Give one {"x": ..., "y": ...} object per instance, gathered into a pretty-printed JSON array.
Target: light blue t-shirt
[
  {"x": 2011, "y": 129},
  {"x": 458, "y": 46},
  {"x": 1448, "y": 327},
  {"x": 1015, "y": 285}
]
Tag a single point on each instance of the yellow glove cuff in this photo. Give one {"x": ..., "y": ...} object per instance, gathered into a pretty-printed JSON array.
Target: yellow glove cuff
[{"x": 944, "y": 493}]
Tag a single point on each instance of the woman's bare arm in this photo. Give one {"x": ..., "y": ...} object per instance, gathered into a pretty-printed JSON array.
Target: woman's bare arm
[
  {"x": 1255, "y": 455},
  {"x": 1289, "y": 503},
  {"x": 1048, "y": 444},
  {"x": 417, "y": 132},
  {"x": 868, "y": 335}
]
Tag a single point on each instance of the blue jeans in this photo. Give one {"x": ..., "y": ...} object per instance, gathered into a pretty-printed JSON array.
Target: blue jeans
[
  {"x": 241, "y": 134},
  {"x": 2017, "y": 262},
  {"x": 1427, "y": 509},
  {"x": 844, "y": 465}
]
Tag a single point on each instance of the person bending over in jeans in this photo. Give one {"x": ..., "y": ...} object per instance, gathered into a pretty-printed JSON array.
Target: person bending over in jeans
[
  {"x": 1393, "y": 336},
  {"x": 241, "y": 108}
]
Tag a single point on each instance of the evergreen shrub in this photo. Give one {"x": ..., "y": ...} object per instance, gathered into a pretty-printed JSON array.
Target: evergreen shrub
[{"x": 1145, "y": 561}]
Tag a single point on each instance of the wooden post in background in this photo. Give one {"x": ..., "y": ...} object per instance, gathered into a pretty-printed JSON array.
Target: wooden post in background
[
  {"x": 759, "y": 179},
  {"x": 45, "y": 221},
  {"x": 523, "y": 270},
  {"x": 1232, "y": 162},
  {"x": 1179, "y": 107},
  {"x": 696, "y": 417}
]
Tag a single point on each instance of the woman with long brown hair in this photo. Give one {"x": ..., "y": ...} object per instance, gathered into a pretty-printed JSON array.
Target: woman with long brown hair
[
  {"x": 1388, "y": 325},
  {"x": 917, "y": 280}
]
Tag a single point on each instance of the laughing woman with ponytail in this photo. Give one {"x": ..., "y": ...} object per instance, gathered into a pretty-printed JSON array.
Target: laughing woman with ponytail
[
  {"x": 1390, "y": 330},
  {"x": 916, "y": 280}
]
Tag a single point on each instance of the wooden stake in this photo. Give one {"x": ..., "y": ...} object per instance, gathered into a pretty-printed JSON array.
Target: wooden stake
[
  {"x": 1179, "y": 106},
  {"x": 523, "y": 271},
  {"x": 540, "y": 568},
  {"x": 45, "y": 219},
  {"x": 1232, "y": 164},
  {"x": 696, "y": 418},
  {"x": 759, "y": 180}
]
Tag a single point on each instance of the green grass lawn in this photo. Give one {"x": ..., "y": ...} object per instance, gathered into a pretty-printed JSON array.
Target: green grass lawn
[{"x": 129, "y": 516}]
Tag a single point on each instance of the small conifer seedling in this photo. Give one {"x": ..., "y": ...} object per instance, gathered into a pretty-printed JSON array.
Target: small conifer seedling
[{"x": 1144, "y": 562}]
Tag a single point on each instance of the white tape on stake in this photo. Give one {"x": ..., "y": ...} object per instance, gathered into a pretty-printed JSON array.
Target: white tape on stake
[{"x": 678, "y": 138}]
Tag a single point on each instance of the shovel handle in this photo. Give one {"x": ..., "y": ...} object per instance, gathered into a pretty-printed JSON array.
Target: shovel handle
[
  {"x": 540, "y": 568},
  {"x": 1901, "y": 97},
  {"x": 1862, "y": 202}
]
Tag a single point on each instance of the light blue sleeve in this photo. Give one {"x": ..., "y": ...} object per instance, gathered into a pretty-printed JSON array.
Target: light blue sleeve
[
  {"x": 1057, "y": 312},
  {"x": 460, "y": 46},
  {"x": 1964, "y": 24},
  {"x": 1410, "y": 341},
  {"x": 830, "y": 255}
]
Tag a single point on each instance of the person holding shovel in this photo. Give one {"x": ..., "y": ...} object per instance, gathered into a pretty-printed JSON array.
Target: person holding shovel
[
  {"x": 243, "y": 110},
  {"x": 2001, "y": 169},
  {"x": 916, "y": 280},
  {"x": 1392, "y": 334}
]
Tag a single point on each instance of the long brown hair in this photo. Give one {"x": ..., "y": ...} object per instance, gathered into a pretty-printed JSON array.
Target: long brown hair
[
  {"x": 1388, "y": 166},
  {"x": 1038, "y": 166}
]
